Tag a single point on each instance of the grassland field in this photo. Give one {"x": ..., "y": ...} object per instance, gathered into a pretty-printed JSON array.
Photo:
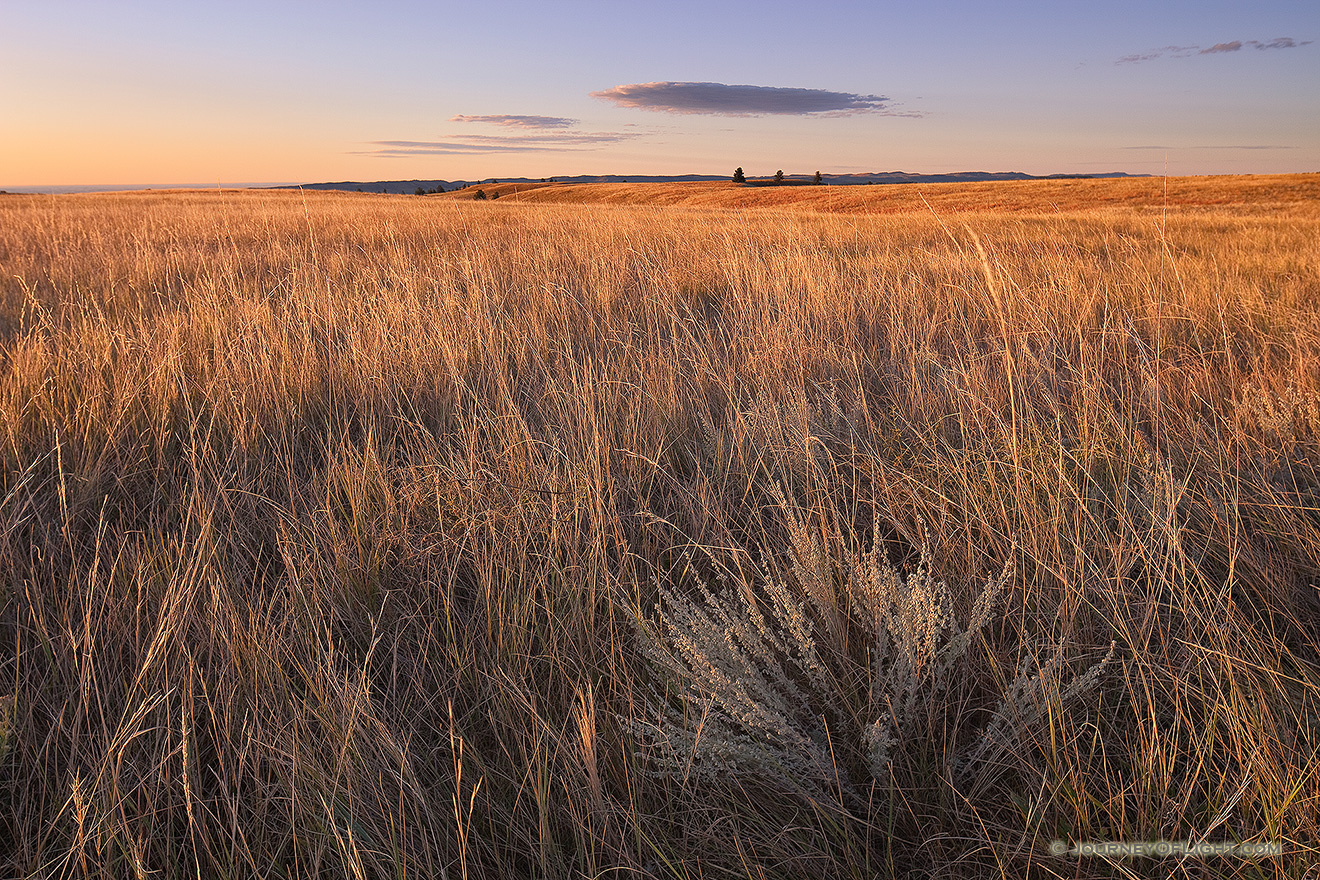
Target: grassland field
[{"x": 661, "y": 531}]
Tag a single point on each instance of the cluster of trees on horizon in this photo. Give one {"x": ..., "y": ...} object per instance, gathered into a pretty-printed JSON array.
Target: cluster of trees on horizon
[{"x": 740, "y": 177}]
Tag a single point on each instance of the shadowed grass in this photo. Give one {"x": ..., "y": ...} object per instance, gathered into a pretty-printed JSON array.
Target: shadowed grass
[{"x": 332, "y": 530}]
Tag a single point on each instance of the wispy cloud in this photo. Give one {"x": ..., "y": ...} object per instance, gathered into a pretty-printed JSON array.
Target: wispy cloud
[
  {"x": 1235, "y": 45},
  {"x": 1217, "y": 48},
  {"x": 1215, "y": 147},
  {"x": 740, "y": 100},
  {"x": 519, "y": 121},
  {"x": 1151, "y": 55},
  {"x": 567, "y": 139},
  {"x": 477, "y": 144}
]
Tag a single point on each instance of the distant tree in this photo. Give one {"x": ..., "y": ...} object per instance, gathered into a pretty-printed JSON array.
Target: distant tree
[
  {"x": 779, "y": 176},
  {"x": 420, "y": 191},
  {"x": 738, "y": 176},
  {"x": 819, "y": 180},
  {"x": 480, "y": 196},
  {"x": 495, "y": 195}
]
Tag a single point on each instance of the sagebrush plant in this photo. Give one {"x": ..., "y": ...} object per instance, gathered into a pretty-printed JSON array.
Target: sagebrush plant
[{"x": 764, "y": 684}]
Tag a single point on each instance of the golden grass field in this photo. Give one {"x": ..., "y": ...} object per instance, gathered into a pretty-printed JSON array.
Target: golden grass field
[
  {"x": 660, "y": 531},
  {"x": 1294, "y": 194}
]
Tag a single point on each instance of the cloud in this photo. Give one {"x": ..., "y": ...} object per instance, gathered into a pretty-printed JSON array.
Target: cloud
[
  {"x": 568, "y": 139},
  {"x": 1217, "y": 48},
  {"x": 478, "y": 144},
  {"x": 1217, "y": 147},
  {"x": 1281, "y": 43},
  {"x": 1175, "y": 51},
  {"x": 1277, "y": 43},
  {"x": 725, "y": 100},
  {"x": 519, "y": 121}
]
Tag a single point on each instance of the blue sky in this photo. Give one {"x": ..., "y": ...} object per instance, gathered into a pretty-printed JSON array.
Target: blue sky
[{"x": 133, "y": 91}]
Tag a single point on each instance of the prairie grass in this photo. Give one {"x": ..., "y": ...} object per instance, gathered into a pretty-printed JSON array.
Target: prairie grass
[
  {"x": 1292, "y": 194},
  {"x": 359, "y": 536}
]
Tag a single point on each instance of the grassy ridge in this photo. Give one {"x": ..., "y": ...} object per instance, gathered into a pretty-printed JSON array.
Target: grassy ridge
[
  {"x": 362, "y": 536},
  {"x": 1291, "y": 194}
]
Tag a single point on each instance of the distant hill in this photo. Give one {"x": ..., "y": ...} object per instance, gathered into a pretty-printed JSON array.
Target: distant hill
[
  {"x": 861, "y": 179},
  {"x": 411, "y": 186},
  {"x": 1144, "y": 194}
]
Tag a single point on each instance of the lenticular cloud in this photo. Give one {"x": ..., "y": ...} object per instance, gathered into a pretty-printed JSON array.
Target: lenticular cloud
[
  {"x": 732, "y": 100},
  {"x": 511, "y": 121}
]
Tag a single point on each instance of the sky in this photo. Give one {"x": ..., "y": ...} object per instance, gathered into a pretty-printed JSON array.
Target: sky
[{"x": 138, "y": 91}]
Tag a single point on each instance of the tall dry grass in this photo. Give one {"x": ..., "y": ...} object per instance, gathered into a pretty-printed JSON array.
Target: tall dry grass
[
  {"x": 351, "y": 536},
  {"x": 1296, "y": 195}
]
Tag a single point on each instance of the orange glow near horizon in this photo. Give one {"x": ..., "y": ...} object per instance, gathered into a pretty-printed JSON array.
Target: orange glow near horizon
[{"x": 142, "y": 92}]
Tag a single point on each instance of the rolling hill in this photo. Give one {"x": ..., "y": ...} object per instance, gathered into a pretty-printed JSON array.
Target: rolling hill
[{"x": 1249, "y": 194}]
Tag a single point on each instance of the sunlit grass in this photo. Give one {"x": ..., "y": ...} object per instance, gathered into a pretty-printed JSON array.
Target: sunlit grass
[{"x": 346, "y": 535}]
